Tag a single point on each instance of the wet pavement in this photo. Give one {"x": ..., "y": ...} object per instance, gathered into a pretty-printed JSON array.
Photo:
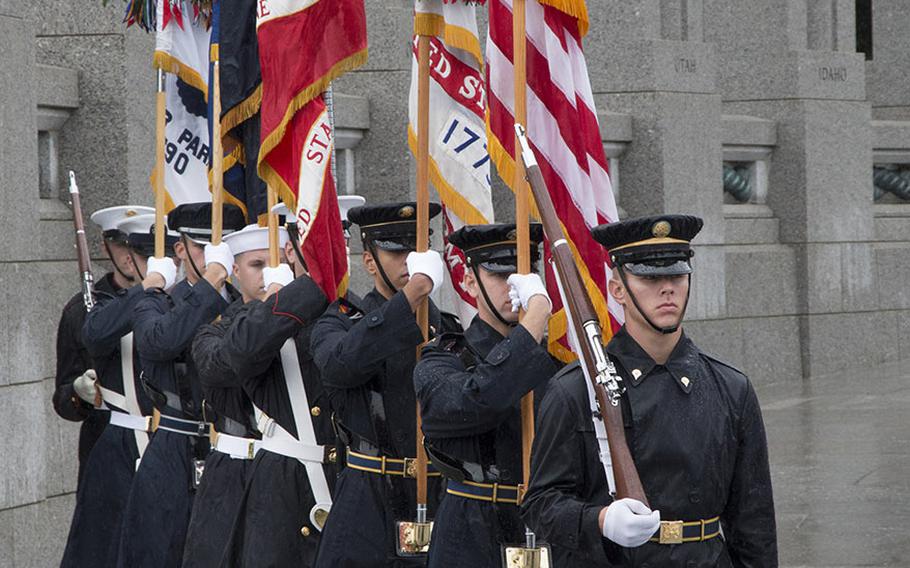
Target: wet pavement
[{"x": 840, "y": 461}]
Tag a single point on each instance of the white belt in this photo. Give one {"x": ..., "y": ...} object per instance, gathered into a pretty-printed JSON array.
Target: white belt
[
  {"x": 130, "y": 421},
  {"x": 236, "y": 447},
  {"x": 277, "y": 440}
]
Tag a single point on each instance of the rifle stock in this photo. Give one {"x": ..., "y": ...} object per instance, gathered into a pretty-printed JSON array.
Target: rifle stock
[
  {"x": 85, "y": 263},
  {"x": 597, "y": 366}
]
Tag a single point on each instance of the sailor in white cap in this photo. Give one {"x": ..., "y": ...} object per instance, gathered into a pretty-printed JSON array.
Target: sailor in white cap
[
  {"x": 225, "y": 404},
  {"x": 108, "y": 338}
]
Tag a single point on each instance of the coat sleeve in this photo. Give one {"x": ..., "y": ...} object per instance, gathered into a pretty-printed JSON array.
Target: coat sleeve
[
  {"x": 210, "y": 356},
  {"x": 163, "y": 332},
  {"x": 109, "y": 320},
  {"x": 349, "y": 355},
  {"x": 748, "y": 519},
  {"x": 554, "y": 506},
  {"x": 256, "y": 335},
  {"x": 72, "y": 361},
  {"x": 455, "y": 402}
]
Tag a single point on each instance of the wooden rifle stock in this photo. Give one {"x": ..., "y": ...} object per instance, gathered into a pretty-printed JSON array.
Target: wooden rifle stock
[
  {"x": 85, "y": 262},
  {"x": 597, "y": 366}
]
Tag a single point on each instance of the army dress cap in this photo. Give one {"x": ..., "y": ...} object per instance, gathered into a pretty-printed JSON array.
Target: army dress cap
[
  {"x": 495, "y": 247},
  {"x": 139, "y": 232},
  {"x": 195, "y": 220},
  {"x": 253, "y": 237},
  {"x": 108, "y": 218},
  {"x": 390, "y": 226},
  {"x": 650, "y": 246}
]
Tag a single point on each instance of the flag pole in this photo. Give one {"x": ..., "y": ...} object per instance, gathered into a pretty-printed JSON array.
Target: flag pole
[
  {"x": 423, "y": 237},
  {"x": 160, "y": 142},
  {"x": 217, "y": 156},
  {"x": 273, "y": 226},
  {"x": 414, "y": 537},
  {"x": 519, "y": 183},
  {"x": 521, "y": 209}
]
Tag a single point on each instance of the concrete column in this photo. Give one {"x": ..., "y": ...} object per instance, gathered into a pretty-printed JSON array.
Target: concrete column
[
  {"x": 642, "y": 64},
  {"x": 799, "y": 73}
]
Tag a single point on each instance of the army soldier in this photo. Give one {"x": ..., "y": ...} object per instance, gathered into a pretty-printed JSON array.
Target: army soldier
[
  {"x": 366, "y": 353},
  {"x": 469, "y": 386},
  {"x": 73, "y": 361},
  {"x": 693, "y": 426},
  {"x": 236, "y": 440},
  {"x": 107, "y": 335},
  {"x": 160, "y": 501},
  {"x": 288, "y": 494}
]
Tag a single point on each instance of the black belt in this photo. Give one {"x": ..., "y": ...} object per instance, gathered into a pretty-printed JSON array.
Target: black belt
[
  {"x": 383, "y": 465},
  {"x": 183, "y": 426},
  {"x": 489, "y": 492},
  {"x": 678, "y": 532}
]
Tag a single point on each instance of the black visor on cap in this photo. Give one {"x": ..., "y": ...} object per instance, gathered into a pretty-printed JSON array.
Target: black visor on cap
[
  {"x": 144, "y": 244},
  {"x": 658, "y": 268},
  {"x": 115, "y": 236}
]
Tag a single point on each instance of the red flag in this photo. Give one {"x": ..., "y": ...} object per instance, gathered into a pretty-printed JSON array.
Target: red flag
[{"x": 303, "y": 46}]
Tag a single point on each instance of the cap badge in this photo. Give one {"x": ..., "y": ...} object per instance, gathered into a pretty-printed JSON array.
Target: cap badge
[
  {"x": 660, "y": 229},
  {"x": 406, "y": 212},
  {"x": 511, "y": 235},
  {"x": 130, "y": 213}
]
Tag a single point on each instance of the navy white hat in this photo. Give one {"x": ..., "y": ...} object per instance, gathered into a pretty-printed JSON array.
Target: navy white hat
[
  {"x": 139, "y": 234},
  {"x": 108, "y": 218},
  {"x": 253, "y": 237}
]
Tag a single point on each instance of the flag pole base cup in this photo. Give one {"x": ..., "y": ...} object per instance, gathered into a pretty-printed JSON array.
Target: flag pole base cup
[
  {"x": 520, "y": 556},
  {"x": 413, "y": 538}
]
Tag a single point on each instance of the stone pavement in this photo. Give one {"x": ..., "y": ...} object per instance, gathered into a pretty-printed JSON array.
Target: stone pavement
[{"x": 840, "y": 459}]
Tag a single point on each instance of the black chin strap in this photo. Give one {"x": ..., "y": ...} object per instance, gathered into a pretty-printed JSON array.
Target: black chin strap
[
  {"x": 295, "y": 244},
  {"x": 486, "y": 297},
  {"x": 663, "y": 330},
  {"x": 135, "y": 264},
  {"x": 186, "y": 245},
  {"x": 372, "y": 248},
  {"x": 110, "y": 257}
]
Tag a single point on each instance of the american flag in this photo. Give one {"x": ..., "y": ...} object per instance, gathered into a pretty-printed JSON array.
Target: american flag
[{"x": 563, "y": 132}]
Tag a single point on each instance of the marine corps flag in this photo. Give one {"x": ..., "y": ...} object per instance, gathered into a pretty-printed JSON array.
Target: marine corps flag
[
  {"x": 303, "y": 46},
  {"x": 459, "y": 162},
  {"x": 563, "y": 132},
  {"x": 182, "y": 51}
]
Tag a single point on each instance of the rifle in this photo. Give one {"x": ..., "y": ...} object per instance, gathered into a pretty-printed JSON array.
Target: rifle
[
  {"x": 85, "y": 265},
  {"x": 596, "y": 365}
]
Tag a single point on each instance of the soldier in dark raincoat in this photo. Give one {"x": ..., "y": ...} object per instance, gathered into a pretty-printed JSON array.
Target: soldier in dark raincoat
[
  {"x": 693, "y": 425},
  {"x": 469, "y": 386}
]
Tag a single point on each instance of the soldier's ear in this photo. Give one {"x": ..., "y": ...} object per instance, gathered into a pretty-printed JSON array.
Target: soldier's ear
[
  {"x": 469, "y": 283},
  {"x": 616, "y": 289},
  {"x": 369, "y": 263}
]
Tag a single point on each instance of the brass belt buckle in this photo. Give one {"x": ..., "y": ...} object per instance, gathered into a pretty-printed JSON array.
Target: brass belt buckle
[
  {"x": 409, "y": 469},
  {"x": 671, "y": 532}
]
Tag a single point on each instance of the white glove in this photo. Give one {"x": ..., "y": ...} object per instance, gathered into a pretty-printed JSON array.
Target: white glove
[
  {"x": 428, "y": 263},
  {"x": 84, "y": 385},
  {"x": 630, "y": 523},
  {"x": 281, "y": 274},
  {"x": 166, "y": 267},
  {"x": 522, "y": 287},
  {"x": 220, "y": 254}
]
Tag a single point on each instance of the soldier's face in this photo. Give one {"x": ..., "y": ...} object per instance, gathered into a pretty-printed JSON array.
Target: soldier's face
[
  {"x": 184, "y": 249},
  {"x": 497, "y": 288},
  {"x": 248, "y": 273},
  {"x": 662, "y": 299},
  {"x": 395, "y": 265}
]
